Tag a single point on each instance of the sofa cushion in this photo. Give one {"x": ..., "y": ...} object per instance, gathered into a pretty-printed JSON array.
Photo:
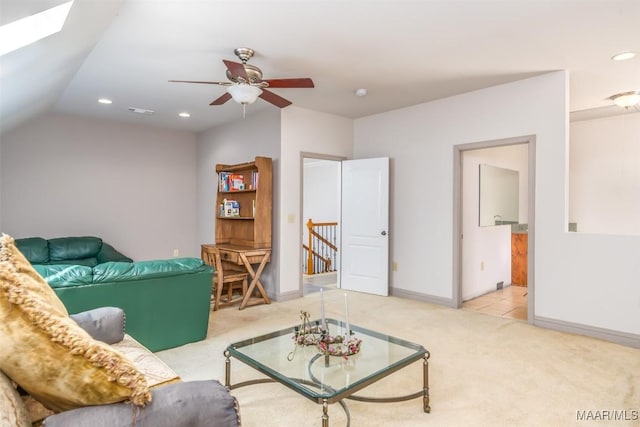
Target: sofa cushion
[
  {"x": 155, "y": 371},
  {"x": 87, "y": 262},
  {"x": 47, "y": 353},
  {"x": 123, "y": 271},
  {"x": 60, "y": 275},
  {"x": 74, "y": 248},
  {"x": 108, "y": 253},
  {"x": 36, "y": 249},
  {"x": 189, "y": 404}
]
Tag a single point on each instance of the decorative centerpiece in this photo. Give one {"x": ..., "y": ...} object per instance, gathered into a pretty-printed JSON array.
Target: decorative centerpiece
[{"x": 318, "y": 335}]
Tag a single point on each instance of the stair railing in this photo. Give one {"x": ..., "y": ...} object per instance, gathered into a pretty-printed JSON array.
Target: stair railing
[{"x": 321, "y": 249}]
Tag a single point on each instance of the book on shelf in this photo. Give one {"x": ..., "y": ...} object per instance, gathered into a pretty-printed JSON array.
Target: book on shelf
[
  {"x": 236, "y": 182},
  {"x": 223, "y": 181},
  {"x": 230, "y": 182},
  {"x": 230, "y": 208}
]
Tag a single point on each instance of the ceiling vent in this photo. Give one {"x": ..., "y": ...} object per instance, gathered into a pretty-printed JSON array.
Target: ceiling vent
[{"x": 141, "y": 111}]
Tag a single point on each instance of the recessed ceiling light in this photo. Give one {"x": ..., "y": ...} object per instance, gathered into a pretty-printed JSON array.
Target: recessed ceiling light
[
  {"x": 184, "y": 115},
  {"x": 105, "y": 101},
  {"x": 623, "y": 56},
  {"x": 361, "y": 92}
]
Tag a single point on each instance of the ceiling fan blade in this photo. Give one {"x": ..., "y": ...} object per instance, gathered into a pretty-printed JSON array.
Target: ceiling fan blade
[
  {"x": 206, "y": 83},
  {"x": 222, "y": 99},
  {"x": 236, "y": 69},
  {"x": 300, "y": 82},
  {"x": 276, "y": 100}
]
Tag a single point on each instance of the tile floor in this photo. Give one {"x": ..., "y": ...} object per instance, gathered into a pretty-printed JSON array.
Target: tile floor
[{"x": 508, "y": 302}]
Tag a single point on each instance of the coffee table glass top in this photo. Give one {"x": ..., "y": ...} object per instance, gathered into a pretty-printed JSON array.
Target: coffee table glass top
[{"x": 320, "y": 377}]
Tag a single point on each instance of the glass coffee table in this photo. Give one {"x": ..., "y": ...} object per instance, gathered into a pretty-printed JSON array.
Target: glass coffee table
[{"x": 329, "y": 379}]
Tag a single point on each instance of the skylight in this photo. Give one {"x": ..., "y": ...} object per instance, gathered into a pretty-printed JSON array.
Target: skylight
[{"x": 29, "y": 30}]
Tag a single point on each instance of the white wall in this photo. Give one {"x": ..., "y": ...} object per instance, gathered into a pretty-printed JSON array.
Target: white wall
[
  {"x": 605, "y": 175},
  {"x": 239, "y": 142},
  {"x": 303, "y": 131},
  {"x": 321, "y": 190},
  {"x": 580, "y": 280},
  {"x": 486, "y": 251},
  {"x": 133, "y": 186}
]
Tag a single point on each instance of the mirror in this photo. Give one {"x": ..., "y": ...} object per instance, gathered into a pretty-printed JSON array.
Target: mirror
[{"x": 498, "y": 196}]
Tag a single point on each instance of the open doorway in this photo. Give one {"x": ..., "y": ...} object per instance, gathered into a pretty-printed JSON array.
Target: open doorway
[
  {"x": 361, "y": 244},
  {"x": 484, "y": 252},
  {"x": 321, "y": 182}
]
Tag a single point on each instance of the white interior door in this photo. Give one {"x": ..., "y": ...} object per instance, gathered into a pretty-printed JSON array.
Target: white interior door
[{"x": 365, "y": 226}]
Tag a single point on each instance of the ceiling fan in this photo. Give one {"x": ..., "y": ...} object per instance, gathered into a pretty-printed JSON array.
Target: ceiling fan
[{"x": 245, "y": 83}]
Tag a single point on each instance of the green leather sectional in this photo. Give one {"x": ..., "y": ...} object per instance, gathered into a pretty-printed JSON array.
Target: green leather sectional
[{"x": 166, "y": 302}]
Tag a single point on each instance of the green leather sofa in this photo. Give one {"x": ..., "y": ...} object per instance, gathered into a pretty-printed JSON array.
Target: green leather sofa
[
  {"x": 86, "y": 250},
  {"x": 166, "y": 302}
]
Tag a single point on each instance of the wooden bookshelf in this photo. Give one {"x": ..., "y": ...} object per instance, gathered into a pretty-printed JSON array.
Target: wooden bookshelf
[{"x": 250, "y": 185}]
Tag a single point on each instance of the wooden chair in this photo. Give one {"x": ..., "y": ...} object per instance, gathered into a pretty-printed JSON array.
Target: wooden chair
[{"x": 224, "y": 280}]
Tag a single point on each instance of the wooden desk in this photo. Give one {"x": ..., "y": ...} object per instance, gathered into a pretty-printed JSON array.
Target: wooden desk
[{"x": 246, "y": 257}]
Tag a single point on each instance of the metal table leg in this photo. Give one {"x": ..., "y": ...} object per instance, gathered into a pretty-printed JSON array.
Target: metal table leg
[
  {"x": 325, "y": 413},
  {"x": 425, "y": 390},
  {"x": 227, "y": 369}
]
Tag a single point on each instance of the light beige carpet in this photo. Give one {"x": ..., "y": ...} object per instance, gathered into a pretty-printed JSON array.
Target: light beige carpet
[{"x": 484, "y": 370}]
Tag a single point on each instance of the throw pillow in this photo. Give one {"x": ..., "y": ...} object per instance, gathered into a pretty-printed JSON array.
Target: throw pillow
[
  {"x": 31, "y": 282},
  {"x": 12, "y": 411},
  {"x": 48, "y": 354},
  {"x": 104, "y": 324}
]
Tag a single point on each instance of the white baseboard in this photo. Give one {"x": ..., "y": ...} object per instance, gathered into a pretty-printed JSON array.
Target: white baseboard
[
  {"x": 623, "y": 338},
  {"x": 287, "y": 296},
  {"x": 403, "y": 293}
]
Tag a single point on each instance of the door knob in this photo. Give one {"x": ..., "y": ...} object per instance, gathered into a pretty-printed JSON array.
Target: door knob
[{"x": 384, "y": 233}]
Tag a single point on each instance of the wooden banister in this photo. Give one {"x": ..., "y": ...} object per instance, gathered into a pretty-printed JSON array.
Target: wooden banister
[{"x": 326, "y": 239}]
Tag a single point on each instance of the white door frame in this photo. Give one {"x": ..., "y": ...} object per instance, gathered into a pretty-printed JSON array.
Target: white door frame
[
  {"x": 308, "y": 155},
  {"x": 530, "y": 140}
]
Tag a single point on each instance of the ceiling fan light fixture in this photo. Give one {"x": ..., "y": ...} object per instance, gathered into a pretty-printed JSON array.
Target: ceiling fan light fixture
[
  {"x": 243, "y": 93},
  {"x": 626, "y": 99}
]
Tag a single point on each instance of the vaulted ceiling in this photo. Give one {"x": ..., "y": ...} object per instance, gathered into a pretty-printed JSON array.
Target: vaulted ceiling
[{"x": 403, "y": 52}]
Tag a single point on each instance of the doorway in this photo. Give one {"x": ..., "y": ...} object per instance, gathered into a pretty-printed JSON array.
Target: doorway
[
  {"x": 482, "y": 254},
  {"x": 321, "y": 181},
  {"x": 362, "y": 186}
]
